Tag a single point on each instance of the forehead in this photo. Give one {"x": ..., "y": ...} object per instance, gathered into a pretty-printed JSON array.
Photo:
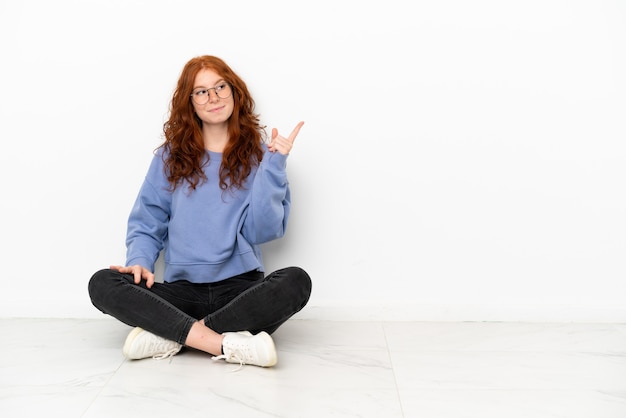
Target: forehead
[{"x": 206, "y": 78}]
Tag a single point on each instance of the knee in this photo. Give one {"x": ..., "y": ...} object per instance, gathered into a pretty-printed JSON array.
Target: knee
[
  {"x": 99, "y": 283},
  {"x": 301, "y": 280}
]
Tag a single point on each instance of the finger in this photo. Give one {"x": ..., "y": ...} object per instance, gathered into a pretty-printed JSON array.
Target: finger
[
  {"x": 137, "y": 274},
  {"x": 122, "y": 269},
  {"x": 149, "y": 276},
  {"x": 295, "y": 132},
  {"x": 274, "y": 133}
]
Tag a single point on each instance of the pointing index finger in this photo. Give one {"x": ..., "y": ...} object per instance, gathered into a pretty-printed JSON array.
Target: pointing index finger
[{"x": 295, "y": 131}]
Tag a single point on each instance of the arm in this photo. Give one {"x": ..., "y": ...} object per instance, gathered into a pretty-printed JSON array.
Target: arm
[
  {"x": 147, "y": 225},
  {"x": 270, "y": 199}
]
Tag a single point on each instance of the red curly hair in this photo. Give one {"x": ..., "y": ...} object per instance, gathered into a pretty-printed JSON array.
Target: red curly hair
[{"x": 183, "y": 131}]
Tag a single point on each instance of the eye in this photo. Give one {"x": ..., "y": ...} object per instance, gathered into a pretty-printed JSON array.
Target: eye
[
  {"x": 220, "y": 87},
  {"x": 201, "y": 92}
]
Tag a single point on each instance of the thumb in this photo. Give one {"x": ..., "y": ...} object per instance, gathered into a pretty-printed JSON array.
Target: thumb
[{"x": 274, "y": 133}]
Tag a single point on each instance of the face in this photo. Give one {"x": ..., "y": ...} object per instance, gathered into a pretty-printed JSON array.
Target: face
[{"x": 211, "y": 88}]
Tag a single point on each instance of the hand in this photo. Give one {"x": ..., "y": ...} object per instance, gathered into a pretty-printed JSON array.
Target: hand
[
  {"x": 280, "y": 143},
  {"x": 138, "y": 272}
]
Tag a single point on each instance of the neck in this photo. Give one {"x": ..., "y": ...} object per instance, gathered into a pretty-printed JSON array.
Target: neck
[{"x": 215, "y": 137}]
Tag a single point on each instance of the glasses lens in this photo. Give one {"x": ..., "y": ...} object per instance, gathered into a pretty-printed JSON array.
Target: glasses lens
[
  {"x": 223, "y": 90},
  {"x": 200, "y": 96}
]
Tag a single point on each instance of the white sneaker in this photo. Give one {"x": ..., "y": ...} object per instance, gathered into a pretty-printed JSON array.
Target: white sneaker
[
  {"x": 245, "y": 348},
  {"x": 143, "y": 344}
]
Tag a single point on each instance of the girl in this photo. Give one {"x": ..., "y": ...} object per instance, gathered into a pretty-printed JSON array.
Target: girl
[{"x": 213, "y": 193}]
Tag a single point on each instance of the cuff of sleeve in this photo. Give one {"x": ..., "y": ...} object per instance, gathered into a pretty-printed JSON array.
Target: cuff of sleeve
[
  {"x": 277, "y": 159},
  {"x": 144, "y": 262}
]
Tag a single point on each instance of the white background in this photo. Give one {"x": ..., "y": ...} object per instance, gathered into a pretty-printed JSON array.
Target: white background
[{"x": 460, "y": 160}]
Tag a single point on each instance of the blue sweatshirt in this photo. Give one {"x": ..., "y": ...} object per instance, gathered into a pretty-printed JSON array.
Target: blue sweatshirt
[{"x": 208, "y": 234}]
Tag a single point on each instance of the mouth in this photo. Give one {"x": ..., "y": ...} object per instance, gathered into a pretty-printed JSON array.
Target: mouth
[{"x": 217, "y": 109}]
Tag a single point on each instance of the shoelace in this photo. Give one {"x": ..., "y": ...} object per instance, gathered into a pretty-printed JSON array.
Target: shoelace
[
  {"x": 233, "y": 356},
  {"x": 168, "y": 354}
]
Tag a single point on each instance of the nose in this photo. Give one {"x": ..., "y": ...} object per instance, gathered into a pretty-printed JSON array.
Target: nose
[{"x": 213, "y": 97}]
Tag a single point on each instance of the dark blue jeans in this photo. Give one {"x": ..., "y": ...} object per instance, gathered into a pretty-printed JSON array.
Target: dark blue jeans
[{"x": 248, "y": 302}]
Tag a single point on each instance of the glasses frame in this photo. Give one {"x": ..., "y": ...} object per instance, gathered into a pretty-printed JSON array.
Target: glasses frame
[{"x": 208, "y": 93}]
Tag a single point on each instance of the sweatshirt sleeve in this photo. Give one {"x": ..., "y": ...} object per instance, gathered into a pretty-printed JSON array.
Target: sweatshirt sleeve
[
  {"x": 148, "y": 219},
  {"x": 270, "y": 201}
]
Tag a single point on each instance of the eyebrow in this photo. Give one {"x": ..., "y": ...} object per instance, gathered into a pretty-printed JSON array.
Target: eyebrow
[{"x": 204, "y": 87}]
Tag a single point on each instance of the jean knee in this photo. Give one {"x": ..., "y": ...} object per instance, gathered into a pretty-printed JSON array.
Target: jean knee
[
  {"x": 99, "y": 284},
  {"x": 303, "y": 282}
]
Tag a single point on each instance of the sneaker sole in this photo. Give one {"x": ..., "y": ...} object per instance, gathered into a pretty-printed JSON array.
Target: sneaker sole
[{"x": 129, "y": 342}]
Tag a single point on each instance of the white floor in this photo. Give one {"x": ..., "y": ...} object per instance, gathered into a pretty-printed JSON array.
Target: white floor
[{"x": 75, "y": 368}]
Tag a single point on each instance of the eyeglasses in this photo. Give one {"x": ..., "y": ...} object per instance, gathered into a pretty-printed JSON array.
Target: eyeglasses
[{"x": 201, "y": 96}]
